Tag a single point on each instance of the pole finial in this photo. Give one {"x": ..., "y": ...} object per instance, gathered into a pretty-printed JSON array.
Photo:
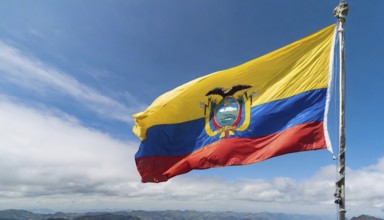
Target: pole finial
[{"x": 341, "y": 11}]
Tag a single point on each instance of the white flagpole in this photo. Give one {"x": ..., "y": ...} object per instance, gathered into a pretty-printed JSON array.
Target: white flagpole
[{"x": 341, "y": 12}]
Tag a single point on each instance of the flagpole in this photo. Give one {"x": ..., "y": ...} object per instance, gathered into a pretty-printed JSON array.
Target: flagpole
[{"x": 341, "y": 12}]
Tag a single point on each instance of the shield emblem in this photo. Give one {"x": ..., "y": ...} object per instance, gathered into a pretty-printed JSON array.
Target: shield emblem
[{"x": 227, "y": 113}]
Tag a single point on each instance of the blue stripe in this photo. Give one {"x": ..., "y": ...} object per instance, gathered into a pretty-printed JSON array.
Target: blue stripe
[{"x": 266, "y": 119}]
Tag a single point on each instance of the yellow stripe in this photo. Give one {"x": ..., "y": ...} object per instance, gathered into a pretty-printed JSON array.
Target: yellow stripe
[{"x": 293, "y": 69}]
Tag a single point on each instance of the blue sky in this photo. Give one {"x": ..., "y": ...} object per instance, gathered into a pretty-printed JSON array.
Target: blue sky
[{"x": 73, "y": 72}]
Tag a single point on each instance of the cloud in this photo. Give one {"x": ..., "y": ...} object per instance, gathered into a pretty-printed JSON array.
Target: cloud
[
  {"x": 52, "y": 154},
  {"x": 227, "y": 109},
  {"x": 365, "y": 186},
  {"x": 281, "y": 194},
  {"x": 48, "y": 159},
  {"x": 27, "y": 72}
]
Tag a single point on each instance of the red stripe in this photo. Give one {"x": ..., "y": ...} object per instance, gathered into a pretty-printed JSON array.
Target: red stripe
[{"x": 234, "y": 151}]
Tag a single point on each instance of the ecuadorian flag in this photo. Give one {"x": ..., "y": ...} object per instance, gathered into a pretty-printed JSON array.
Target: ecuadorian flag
[{"x": 275, "y": 104}]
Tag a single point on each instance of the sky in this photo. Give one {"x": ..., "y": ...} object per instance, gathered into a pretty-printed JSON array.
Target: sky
[{"x": 72, "y": 73}]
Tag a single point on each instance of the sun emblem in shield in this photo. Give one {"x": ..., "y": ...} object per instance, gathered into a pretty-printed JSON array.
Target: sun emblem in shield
[{"x": 227, "y": 110}]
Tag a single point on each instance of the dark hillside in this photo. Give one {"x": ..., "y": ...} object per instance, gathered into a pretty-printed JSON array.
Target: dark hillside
[{"x": 366, "y": 217}]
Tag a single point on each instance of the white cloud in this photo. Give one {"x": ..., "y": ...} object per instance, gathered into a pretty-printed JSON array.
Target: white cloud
[
  {"x": 51, "y": 154},
  {"x": 227, "y": 109},
  {"x": 49, "y": 160},
  {"x": 281, "y": 194},
  {"x": 365, "y": 186},
  {"x": 28, "y": 72}
]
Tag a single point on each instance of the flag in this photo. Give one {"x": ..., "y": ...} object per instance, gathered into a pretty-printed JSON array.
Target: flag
[{"x": 273, "y": 105}]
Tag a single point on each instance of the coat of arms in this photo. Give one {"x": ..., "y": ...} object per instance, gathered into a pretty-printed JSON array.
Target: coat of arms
[{"x": 227, "y": 110}]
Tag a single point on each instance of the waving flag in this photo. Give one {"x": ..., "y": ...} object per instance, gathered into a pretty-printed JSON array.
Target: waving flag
[{"x": 272, "y": 105}]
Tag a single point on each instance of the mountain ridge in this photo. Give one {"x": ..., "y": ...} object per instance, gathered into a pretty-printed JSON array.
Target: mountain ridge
[{"x": 14, "y": 214}]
